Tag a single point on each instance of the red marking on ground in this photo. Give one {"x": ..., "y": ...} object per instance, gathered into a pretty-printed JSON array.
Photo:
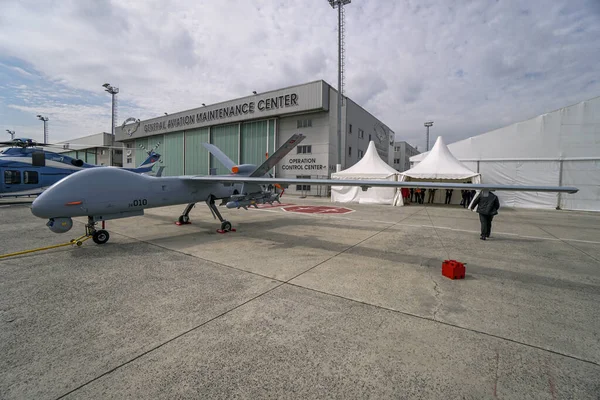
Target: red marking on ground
[
  {"x": 318, "y": 209},
  {"x": 496, "y": 380},
  {"x": 551, "y": 378},
  {"x": 271, "y": 205}
]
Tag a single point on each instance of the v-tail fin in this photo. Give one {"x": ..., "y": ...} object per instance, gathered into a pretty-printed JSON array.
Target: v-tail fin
[
  {"x": 219, "y": 155},
  {"x": 278, "y": 155}
]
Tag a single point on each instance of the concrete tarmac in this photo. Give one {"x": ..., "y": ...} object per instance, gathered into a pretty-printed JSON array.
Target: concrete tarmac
[{"x": 303, "y": 306}]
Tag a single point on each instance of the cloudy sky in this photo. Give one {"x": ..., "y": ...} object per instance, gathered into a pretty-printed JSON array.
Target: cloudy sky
[{"x": 470, "y": 66}]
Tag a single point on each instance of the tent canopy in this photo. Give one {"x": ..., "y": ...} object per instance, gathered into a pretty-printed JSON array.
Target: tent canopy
[
  {"x": 371, "y": 166},
  {"x": 440, "y": 164}
]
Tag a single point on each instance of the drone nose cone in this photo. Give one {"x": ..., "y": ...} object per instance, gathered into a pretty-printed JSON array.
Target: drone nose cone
[{"x": 39, "y": 208}]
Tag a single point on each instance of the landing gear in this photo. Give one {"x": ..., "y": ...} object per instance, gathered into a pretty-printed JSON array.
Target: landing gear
[
  {"x": 185, "y": 217},
  {"x": 100, "y": 237},
  {"x": 225, "y": 225}
]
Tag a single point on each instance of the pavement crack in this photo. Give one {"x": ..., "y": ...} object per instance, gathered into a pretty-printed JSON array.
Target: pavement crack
[{"x": 438, "y": 301}]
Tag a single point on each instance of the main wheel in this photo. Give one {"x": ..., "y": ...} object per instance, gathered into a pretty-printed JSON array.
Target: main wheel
[
  {"x": 184, "y": 219},
  {"x": 226, "y": 226},
  {"x": 100, "y": 237}
]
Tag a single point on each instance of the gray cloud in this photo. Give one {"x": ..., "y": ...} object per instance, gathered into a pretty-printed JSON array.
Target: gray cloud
[{"x": 470, "y": 66}]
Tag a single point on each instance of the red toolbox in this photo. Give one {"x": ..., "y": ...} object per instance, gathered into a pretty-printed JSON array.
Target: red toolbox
[{"x": 453, "y": 269}]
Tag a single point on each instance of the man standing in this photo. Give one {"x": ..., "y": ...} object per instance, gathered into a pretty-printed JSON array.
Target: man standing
[
  {"x": 448, "y": 196},
  {"x": 487, "y": 204},
  {"x": 431, "y": 195}
]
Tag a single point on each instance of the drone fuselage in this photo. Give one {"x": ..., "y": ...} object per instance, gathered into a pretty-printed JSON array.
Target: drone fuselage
[{"x": 109, "y": 193}]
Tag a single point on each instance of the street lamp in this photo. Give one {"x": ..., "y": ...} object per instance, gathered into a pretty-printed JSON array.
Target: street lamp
[
  {"x": 340, "y": 5},
  {"x": 113, "y": 91},
  {"x": 45, "y": 119},
  {"x": 12, "y": 134},
  {"x": 428, "y": 124}
]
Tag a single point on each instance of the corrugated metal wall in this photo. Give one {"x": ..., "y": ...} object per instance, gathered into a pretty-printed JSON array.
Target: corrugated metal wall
[
  {"x": 88, "y": 157},
  {"x": 226, "y": 138},
  {"x": 91, "y": 158},
  {"x": 196, "y": 156},
  {"x": 253, "y": 138},
  {"x": 271, "y": 136},
  {"x": 139, "y": 154},
  {"x": 254, "y": 141},
  {"x": 173, "y": 154}
]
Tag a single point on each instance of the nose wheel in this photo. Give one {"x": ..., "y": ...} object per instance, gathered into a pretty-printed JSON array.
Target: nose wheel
[{"x": 100, "y": 237}]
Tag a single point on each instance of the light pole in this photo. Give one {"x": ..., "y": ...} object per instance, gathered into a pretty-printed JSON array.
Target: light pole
[
  {"x": 428, "y": 124},
  {"x": 12, "y": 134},
  {"x": 45, "y": 119},
  {"x": 340, "y": 5},
  {"x": 113, "y": 91}
]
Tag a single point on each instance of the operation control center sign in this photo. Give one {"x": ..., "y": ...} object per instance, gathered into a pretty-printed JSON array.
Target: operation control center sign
[{"x": 301, "y": 164}]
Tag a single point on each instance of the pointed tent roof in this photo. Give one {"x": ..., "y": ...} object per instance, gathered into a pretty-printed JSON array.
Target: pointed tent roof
[
  {"x": 370, "y": 166},
  {"x": 440, "y": 163}
]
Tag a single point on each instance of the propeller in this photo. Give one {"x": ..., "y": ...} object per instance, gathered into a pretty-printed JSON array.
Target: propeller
[{"x": 23, "y": 143}]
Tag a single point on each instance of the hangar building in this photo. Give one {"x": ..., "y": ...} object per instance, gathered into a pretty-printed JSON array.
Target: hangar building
[
  {"x": 91, "y": 149},
  {"x": 248, "y": 129}
]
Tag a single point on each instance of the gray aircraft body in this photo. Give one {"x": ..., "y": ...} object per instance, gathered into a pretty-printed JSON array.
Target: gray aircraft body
[{"x": 109, "y": 193}]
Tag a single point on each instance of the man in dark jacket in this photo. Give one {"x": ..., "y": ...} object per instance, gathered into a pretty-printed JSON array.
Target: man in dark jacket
[{"x": 487, "y": 206}]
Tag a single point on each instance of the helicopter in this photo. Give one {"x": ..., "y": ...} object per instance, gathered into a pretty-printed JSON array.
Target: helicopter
[{"x": 27, "y": 169}]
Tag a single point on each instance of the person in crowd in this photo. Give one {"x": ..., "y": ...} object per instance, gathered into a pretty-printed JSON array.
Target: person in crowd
[
  {"x": 463, "y": 202},
  {"x": 448, "y": 196},
  {"x": 405, "y": 195},
  {"x": 487, "y": 204},
  {"x": 412, "y": 194},
  {"x": 431, "y": 195}
]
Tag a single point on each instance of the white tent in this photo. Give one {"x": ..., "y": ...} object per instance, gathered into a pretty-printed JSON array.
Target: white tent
[
  {"x": 370, "y": 167},
  {"x": 440, "y": 166},
  {"x": 561, "y": 147}
]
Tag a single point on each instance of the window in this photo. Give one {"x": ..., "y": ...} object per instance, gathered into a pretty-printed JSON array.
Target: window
[
  {"x": 30, "y": 177},
  {"x": 350, "y": 128},
  {"x": 305, "y": 188},
  {"x": 307, "y": 149},
  {"x": 129, "y": 160},
  {"x": 12, "y": 177},
  {"x": 304, "y": 123},
  {"x": 118, "y": 152},
  {"x": 360, "y": 154},
  {"x": 396, "y": 161},
  {"x": 397, "y": 148},
  {"x": 349, "y": 151},
  {"x": 128, "y": 145},
  {"x": 361, "y": 133}
]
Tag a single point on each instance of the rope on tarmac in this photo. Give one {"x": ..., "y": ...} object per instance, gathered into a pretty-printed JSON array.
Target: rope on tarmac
[{"x": 79, "y": 241}]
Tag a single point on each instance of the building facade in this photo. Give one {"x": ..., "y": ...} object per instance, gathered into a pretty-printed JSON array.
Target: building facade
[
  {"x": 402, "y": 154},
  {"x": 251, "y": 128},
  {"x": 90, "y": 149}
]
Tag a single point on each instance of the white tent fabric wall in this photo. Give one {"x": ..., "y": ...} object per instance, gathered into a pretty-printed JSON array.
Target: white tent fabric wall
[
  {"x": 440, "y": 165},
  {"x": 544, "y": 173},
  {"x": 370, "y": 167},
  {"x": 558, "y": 148}
]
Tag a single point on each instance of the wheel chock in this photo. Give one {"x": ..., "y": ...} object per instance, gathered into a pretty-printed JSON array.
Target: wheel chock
[{"x": 223, "y": 231}]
